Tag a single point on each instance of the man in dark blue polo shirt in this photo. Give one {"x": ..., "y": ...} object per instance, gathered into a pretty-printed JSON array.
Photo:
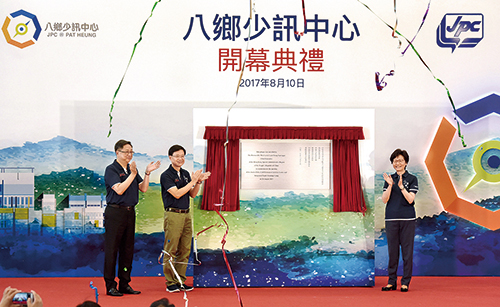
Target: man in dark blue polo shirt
[
  {"x": 122, "y": 194},
  {"x": 176, "y": 188}
]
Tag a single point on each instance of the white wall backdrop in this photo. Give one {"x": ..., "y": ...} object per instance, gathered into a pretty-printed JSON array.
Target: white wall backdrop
[{"x": 64, "y": 84}]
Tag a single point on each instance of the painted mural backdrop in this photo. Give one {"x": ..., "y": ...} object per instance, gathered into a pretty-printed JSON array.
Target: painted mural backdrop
[
  {"x": 62, "y": 67},
  {"x": 283, "y": 237}
]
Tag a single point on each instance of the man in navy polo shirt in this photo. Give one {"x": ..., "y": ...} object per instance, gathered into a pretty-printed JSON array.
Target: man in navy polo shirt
[
  {"x": 122, "y": 194},
  {"x": 176, "y": 188}
]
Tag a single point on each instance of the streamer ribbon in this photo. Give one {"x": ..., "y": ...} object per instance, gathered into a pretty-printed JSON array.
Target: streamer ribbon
[
  {"x": 305, "y": 20},
  {"x": 195, "y": 240},
  {"x": 171, "y": 258},
  {"x": 129, "y": 61},
  {"x": 195, "y": 249},
  {"x": 223, "y": 241},
  {"x": 396, "y": 25},
  {"x": 96, "y": 292},
  {"x": 171, "y": 263},
  {"x": 421, "y": 24},
  {"x": 428, "y": 68},
  {"x": 380, "y": 83}
]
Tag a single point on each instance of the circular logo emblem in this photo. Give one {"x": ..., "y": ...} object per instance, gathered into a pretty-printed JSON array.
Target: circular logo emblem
[
  {"x": 486, "y": 163},
  {"x": 21, "y": 29}
]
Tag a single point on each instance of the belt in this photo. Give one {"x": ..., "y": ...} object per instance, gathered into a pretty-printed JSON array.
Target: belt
[
  {"x": 129, "y": 208},
  {"x": 176, "y": 210}
]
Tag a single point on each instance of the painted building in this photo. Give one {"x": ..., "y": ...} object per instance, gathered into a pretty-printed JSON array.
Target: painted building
[
  {"x": 84, "y": 214},
  {"x": 81, "y": 213},
  {"x": 49, "y": 214},
  {"x": 16, "y": 199}
]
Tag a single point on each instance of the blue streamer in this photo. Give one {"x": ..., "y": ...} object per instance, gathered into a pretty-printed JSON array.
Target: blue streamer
[{"x": 96, "y": 292}]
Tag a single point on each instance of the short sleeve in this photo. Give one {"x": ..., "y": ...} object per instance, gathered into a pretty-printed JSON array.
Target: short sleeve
[
  {"x": 166, "y": 182},
  {"x": 414, "y": 185},
  {"x": 111, "y": 176},
  {"x": 386, "y": 185}
]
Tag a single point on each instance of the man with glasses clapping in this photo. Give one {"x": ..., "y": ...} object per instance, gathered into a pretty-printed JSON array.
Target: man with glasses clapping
[{"x": 122, "y": 194}]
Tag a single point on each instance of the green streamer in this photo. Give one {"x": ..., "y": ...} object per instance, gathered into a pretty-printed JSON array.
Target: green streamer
[
  {"x": 428, "y": 68},
  {"x": 130, "y": 60}
]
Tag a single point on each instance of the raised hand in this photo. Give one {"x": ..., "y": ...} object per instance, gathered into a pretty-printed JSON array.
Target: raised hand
[
  {"x": 133, "y": 168},
  {"x": 196, "y": 176},
  {"x": 388, "y": 179},
  {"x": 205, "y": 176},
  {"x": 8, "y": 295},
  {"x": 36, "y": 301},
  {"x": 153, "y": 166}
]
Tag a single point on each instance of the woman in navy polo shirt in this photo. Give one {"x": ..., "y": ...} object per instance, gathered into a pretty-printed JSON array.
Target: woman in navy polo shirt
[{"x": 399, "y": 193}]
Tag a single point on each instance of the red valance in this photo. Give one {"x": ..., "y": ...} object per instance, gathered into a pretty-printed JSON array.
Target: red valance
[
  {"x": 270, "y": 133},
  {"x": 347, "y": 192}
]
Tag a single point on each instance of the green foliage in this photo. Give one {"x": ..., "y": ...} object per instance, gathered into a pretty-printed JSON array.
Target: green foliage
[{"x": 75, "y": 182}]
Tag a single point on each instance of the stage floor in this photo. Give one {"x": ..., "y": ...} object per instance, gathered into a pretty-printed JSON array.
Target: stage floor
[{"x": 424, "y": 291}]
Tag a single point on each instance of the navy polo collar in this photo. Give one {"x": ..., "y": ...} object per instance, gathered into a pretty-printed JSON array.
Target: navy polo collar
[{"x": 404, "y": 174}]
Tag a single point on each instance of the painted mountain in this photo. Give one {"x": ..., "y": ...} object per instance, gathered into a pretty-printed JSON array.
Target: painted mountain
[{"x": 60, "y": 154}]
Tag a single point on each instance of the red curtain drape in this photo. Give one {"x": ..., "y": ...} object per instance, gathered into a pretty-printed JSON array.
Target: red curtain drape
[
  {"x": 348, "y": 195},
  {"x": 347, "y": 191},
  {"x": 212, "y": 192}
]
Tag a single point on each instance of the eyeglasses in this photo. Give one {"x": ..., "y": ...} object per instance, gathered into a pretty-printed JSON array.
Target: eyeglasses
[
  {"x": 178, "y": 157},
  {"x": 127, "y": 152},
  {"x": 398, "y": 161}
]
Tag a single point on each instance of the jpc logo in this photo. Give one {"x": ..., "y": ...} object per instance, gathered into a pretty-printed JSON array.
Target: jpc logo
[
  {"x": 460, "y": 30},
  {"x": 21, "y": 29}
]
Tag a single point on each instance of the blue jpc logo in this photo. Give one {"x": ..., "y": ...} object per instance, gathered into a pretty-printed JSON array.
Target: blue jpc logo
[{"x": 460, "y": 30}]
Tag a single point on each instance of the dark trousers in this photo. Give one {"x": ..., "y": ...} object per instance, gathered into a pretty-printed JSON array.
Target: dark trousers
[
  {"x": 119, "y": 224},
  {"x": 400, "y": 234}
]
